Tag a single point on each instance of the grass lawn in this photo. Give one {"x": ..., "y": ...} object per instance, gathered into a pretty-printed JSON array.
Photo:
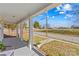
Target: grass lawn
[
  {"x": 36, "y": 39},
  {"x": 62, "y": 31},
  {"x": 58, "y": 48}
]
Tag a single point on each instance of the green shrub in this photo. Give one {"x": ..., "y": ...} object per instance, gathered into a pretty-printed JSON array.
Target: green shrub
[{"x": 2, "y": 47}]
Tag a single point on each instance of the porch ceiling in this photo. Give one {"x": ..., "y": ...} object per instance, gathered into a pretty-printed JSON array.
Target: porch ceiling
[{"x": 14, "y": 12}]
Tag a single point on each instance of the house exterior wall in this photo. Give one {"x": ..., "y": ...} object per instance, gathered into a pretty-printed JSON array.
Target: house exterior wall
[{"x": 1, "y": 32}]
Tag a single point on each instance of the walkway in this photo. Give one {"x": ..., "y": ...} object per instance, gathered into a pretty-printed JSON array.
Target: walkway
[
  {"x": 13, "y": 43},
  {"x": 18, "y": 47}
]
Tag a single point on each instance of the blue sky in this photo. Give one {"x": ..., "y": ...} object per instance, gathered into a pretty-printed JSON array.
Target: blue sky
[{"x": 64, "y": 15}]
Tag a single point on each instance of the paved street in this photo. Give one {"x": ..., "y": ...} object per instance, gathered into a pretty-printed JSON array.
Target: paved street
[{"x": 74, "y": 39}]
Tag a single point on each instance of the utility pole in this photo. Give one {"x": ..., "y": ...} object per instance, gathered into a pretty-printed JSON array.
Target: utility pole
[{"x": 46, "y": 24}]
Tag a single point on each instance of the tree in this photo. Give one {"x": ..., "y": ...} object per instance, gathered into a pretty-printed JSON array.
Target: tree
[{"x": 36, "y": 24}]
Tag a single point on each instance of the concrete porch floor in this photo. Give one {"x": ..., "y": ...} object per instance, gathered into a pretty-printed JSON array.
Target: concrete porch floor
[{"x": 18, "y": 47}]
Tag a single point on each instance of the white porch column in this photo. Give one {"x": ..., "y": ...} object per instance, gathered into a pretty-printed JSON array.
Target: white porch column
[
  {"x": 19, "y": 31},
  {"x": 1, "y": 32},
  {"x": 30, "y": 34}
]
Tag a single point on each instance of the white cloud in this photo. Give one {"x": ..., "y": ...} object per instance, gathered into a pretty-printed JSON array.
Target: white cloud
[
  {"x": 68, "y": 15},
  {"x": 53, "y": 16},
  {"x": 65, "y": 17},
  {"x": 58, "y": 8},
  {"x": 48, "y": 16},
  {"x": 67, "y": 7},
  {"x": 61, "y": 12}
]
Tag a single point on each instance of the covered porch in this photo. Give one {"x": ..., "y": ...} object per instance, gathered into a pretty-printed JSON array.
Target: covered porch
[{"x": 14, "y": 17}]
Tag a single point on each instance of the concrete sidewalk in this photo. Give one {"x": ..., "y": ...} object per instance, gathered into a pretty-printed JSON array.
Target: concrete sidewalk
[
  {"x": 18, "y": 47},
  {"x": 13, "y": 43}
]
